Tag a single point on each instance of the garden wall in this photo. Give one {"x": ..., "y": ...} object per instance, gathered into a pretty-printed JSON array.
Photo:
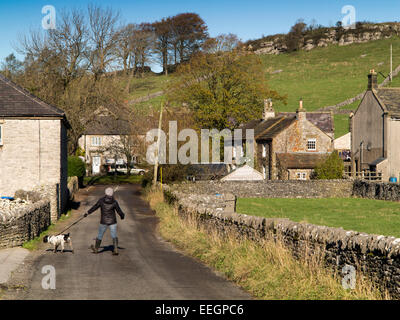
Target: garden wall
[
  {"x": 25, "y": 225},
  {"x": 376, "y": 190},
  {"x": 28, "y": 221},
  {"x": 376, "y": 256}
]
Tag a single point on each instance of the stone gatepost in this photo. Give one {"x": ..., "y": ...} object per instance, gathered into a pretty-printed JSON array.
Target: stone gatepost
[{"x": 230, "y": 202}]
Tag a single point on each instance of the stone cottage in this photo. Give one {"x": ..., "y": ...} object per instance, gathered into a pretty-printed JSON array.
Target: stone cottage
[
  {"x": 101, "y": 142},
  {"x": 33, "y": 143},
  {"x": 375, "y": 128},
  {"x": 290, "y": 145}
]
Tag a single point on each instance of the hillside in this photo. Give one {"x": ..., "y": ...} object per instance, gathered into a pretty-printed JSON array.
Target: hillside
[
  {"x": 330, "y": 75},
  {"x": 322, "y": 77}
]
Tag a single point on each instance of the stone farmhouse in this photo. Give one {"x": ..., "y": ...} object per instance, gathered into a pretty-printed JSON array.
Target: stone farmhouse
[
  {"x": 99, "y": 141},
  {"x": 290, "y": 145},
  {"x": 375, "y": 128},
  {"x": 33, "y": 143}
]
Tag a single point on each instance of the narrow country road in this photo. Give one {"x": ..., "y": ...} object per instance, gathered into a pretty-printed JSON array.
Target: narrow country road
[{"x": 146, "y": 268}]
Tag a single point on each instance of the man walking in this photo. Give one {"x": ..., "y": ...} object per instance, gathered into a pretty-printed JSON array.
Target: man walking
[{"x": 108, "y": 207}]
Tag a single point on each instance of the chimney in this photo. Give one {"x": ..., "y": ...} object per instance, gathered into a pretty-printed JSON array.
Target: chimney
[
  {"x": 372, "y": 80},
  {"x": 269, "y": 111},
  {"x": 301, "y": 112}
]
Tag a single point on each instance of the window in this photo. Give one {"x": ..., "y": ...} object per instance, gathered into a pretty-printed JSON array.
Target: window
[
  {"x": 311, "y": 145},
  {"x": 264, "y": 150},
  {"x": 96, "y": 141},
  {"x": 301, "y": 176},
  {"x": 1, "y": 135}
]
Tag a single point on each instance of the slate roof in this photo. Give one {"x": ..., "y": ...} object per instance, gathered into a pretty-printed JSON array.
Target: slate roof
[
  {"x": 18, "y": 102},
  {"x": 390, "y": 97},
  {"x": 322, "y": 120},
  {"x": 107, "y": 125},
  {"x": 300, "y": 160},
  {"x": 267, "y": 129},
  {"x": 377, "y": 161}
]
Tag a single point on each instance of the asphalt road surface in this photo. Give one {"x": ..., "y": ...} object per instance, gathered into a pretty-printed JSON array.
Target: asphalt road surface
[{"x": 146, "y": 268}]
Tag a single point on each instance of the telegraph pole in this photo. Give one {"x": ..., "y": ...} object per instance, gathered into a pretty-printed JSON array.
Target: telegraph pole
[{"x": 158, "y": 147}]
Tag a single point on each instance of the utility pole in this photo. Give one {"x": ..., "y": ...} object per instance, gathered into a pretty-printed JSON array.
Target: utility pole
[{"x": 158, "y": 147}]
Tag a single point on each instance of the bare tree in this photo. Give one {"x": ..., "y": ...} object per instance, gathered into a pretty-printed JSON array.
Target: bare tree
[
  {"x": 103, "y": 37},
  {"x": 69, "y": 42},
  {"x": 123, "y": 49},
  {"x": 221, "y": 43}
]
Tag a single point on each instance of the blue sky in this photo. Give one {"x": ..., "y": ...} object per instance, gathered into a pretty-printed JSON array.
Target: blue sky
[{"x": 248, "y": 19}]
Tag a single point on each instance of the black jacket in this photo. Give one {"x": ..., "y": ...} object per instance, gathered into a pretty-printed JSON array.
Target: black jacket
[{"x": 108, "y": 207}]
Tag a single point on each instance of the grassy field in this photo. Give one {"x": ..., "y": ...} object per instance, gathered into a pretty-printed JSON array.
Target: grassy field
[
  {"x": 327, "y": 76},
  {"x": 267, "y": 270},
  {"x": 341, "y": 124},
  {"x": 363, "y": 215},
  {"x": 330, "y": 75},
  {"x": 142, "y": 86}
]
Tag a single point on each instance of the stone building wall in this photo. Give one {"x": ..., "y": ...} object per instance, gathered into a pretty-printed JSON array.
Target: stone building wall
[
  {"x": 33, "y": 154},
  {"x": 378, "y": 257}
]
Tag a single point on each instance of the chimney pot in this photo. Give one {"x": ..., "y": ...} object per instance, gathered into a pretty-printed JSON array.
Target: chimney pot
[
  {"x": 269, "y": 111},
  {"x": 372, "y": 80},
  {"x": 300, "y": 112}
]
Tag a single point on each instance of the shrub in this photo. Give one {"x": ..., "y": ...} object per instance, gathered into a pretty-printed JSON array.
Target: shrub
[
  {"x": 76, "y": 167},
  {"x": 331, "y": 168},
  {"x": 170, "y": 173}
]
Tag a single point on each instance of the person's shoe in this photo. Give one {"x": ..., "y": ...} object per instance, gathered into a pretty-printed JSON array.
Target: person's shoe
[
  {"x": 96, "y": 247},
  {"x": 115, "y": 244}
]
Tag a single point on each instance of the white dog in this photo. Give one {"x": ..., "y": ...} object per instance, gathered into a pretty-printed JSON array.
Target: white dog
[{"x": 59, "y": 240}]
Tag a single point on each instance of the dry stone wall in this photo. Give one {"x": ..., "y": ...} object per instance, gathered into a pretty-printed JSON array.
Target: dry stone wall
[
  {"x": 273, "y": 188},
  {"x": 24, "y": 225},
  {"x": 376, "y": 256},
  {"x": 24, "y": 219},
  {"x": 376, "y": 190}
]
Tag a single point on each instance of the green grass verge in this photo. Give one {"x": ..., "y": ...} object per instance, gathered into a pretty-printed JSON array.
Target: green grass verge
[
  {"x": 111, "y": 179},
  {"x": 363, "y": 215},
  {"x": 266, "y": 270},
  {"x": 34, "y": 243}
]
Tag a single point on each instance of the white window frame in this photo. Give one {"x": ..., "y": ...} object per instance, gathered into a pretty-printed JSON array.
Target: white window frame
[
  {"x": 264, "y": 150},
  {"x": 96, "y": 141},
  {"x": 301, "y": 176},
  {"x": 1, "y": 134},
  {"x": 314, "y": 141}
]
